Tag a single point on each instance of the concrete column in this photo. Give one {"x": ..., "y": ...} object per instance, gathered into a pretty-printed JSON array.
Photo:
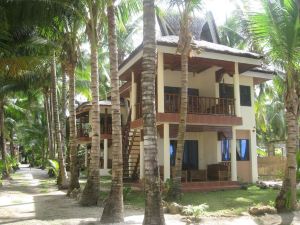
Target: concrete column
[
  {"x": 160, "y": 83},
  {"x": 133, "y": 97},
  {"x": 253, "y": 156},
  {"x": 142, "y": 165},
  {"x": 166, "y": 152},
  {"x": 233, "y": 156},
  {"x": 219, "y": 153},
  {"x": 86, "y": 157},
  {"x": 105, "y": 158},
  {"x": 236, "y": 86}
]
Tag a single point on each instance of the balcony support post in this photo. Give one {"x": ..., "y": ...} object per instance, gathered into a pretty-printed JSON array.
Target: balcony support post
[
  {"x": 236, "y": 86},
  {"x": 133, "y": 97},
  {"x": 233, "y": 155},
  {"x": 105, "y": 155},
  {"x": 253, "y": 155},
  {"x": 142, "y": 166},
  {"x": 167, "y": 168}
]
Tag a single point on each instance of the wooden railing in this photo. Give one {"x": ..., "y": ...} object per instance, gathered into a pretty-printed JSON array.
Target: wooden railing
[
  {"x": 201, "y": 105},
  {"x": 83, "y": 128}
]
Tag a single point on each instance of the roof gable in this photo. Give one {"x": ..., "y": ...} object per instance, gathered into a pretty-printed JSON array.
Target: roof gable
[{"x": 202, "y": 28}]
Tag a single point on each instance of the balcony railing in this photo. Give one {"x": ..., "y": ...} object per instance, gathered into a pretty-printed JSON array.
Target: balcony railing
[
  {"x": 201, "y": 105},
  {"x": 83, "y": 129}
]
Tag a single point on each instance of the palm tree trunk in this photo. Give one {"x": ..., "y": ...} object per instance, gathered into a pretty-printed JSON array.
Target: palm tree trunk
[
  {"x": 90, "y": 193},
  {"x": 287, "y": 197},
  {"x": 5, "y": 172},
  {"x": 62, "y": 177},
  {"x": 49, "y": 127},
  {"x": 52, "y": 124},
  {"x": 184, "y": 48},
  {"x": 153, "y": 205},
  {"x": 63, "y": 106},
  {"x": 114, "y": 211},
  {"x": 176, "y": 192},
  {"x": 74, "y": 182},
  {"x": 11, "y": 143},
  {"x": 271, "y": 149}
]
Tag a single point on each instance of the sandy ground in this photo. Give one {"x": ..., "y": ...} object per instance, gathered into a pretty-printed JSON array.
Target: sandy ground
[{"x": 30, "y": 199}]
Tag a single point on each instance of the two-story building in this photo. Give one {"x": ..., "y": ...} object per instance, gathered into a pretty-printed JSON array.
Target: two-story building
[{"x": 220, "y": 134}]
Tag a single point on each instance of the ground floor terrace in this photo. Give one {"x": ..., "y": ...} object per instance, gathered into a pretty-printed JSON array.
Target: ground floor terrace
[
  {"x": 215, "y": 156},
  {"x": 211, "y": 153}
]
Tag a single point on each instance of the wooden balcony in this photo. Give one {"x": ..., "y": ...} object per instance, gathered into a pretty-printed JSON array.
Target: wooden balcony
[
  {"x": 201, "y": 105},
  {"x": 84, "y": 128},
  {"x": 196, "y": 105}
]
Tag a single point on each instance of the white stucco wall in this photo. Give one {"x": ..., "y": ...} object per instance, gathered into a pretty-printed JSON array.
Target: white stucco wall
[{"x": 204, "y": 82}]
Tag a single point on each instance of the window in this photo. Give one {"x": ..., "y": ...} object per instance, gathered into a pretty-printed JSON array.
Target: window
[
  {"x": 226, "y": 91},
  {"x": 193, "y": 92},
  {"x": 190, "y": 154},
  {"x": 225, "y": 149},
  {"x": 172, "y": 90},
  {"x": 245, "y": 95},
  {"x": 242, "y": 150},
  {"x": 173, "y": 145}
]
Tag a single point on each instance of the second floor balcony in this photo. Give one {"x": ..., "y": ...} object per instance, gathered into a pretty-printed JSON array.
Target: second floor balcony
[
  {"x": 84, "y": 127},
  {"x": 196, "y": 105}
]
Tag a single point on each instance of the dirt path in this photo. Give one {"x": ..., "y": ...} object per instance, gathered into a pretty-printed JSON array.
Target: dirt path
[{"x": 31, "y": 198}]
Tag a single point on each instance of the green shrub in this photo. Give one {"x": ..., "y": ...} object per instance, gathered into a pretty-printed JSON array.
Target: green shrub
[
  {"x": 126, "y": 192},
  {"x": 53, "y": 168},
  {"x": 195, "y": 211},
  {"x": 298, "y": 165},
  {"x": 168, "y": 190}
]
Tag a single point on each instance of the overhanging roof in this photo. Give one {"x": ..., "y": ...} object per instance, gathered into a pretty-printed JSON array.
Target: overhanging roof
[{"x": 208, "y": 50}]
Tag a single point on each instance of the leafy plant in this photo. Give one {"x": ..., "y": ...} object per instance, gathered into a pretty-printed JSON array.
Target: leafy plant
[
  {"x": 126, "y": 192},
  {"x": 168, "y": 189},
  {"x": 53, "y": 168},
  {"x": 298, "y": 165},
  {"x": 195, "y": 211}
]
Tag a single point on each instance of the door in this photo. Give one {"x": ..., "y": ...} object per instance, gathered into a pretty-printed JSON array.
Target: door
[{"x": 190, "y": 155}]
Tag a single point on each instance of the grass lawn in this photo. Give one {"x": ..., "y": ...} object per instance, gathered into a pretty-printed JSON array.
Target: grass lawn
[
  {"x": 231, "y": 202},
  {"x": 221, "y": 203}
]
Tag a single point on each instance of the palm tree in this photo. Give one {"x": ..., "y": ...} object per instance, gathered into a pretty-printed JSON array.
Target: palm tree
[
  {"x": 269, "y": 114},
  {"x": 5, "y": 172},
  {"x": 153, "y": 207},
  {"x": 93, "y": 15},
  {"x": 114, "y": 211},
  {"x": 277, "y": 27},
  {"x": 62, "y": 179},
  {"x": 184, "y": 48}
]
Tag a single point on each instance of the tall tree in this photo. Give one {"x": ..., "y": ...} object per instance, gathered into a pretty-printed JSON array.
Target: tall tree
[
  {"x": 114, "y": 211},
  {"x": 62, "y": 177},
  {"x": 5, "y": 172},
  {"x": 93, "y": 15},
  {"x": 278, "y": 28},
  {"x": 184, "y": 48},
  {"x": 153, "y": 209}
]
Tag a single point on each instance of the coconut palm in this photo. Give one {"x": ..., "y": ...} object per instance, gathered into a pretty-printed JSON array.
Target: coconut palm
[
  {"x": 184, "y": 47},
  {"x": 153, "y": 207},
  {"x": 269, "y": 113},
  {"x": 62, "y": 180},
  {"x": 114, "y": 211},
  {"x": 278, "y": 28}
]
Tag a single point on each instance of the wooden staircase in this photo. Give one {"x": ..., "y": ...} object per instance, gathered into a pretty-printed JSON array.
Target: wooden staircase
[{"x": 131, "y": 152}]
